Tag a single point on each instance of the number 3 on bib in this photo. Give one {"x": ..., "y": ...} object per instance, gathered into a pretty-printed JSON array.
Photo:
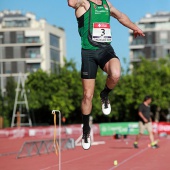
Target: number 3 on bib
[{"x": 101, "y": 32}]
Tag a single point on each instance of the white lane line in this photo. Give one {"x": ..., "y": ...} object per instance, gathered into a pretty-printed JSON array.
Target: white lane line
[
  {"x": 129, "y": 158},
  {"x": 72, "y": 160}
]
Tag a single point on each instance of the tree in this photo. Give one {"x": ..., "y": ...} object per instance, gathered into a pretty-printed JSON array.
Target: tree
[
  {"x": 147, "y": 77},
  {"x": 8, "y": 101},
  {"x": 63, "y": 91},
  {"x": 40, "y": 93},
  {"x": 68, "y": 92}
]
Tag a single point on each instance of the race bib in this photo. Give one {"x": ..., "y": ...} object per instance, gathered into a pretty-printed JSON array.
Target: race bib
[{"x": 101, "y": 32}]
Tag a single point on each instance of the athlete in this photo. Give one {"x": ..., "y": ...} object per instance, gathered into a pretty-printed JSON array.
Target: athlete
[
  {"x": 93, "y": 17},
  {"x": 145, "y": 122}
]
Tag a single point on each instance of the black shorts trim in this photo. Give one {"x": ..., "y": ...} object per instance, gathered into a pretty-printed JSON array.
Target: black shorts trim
[{"x": 91, "y": 59}]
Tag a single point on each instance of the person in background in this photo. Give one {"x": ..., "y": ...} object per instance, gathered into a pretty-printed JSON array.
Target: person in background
[{"x": 145, "y": 122}]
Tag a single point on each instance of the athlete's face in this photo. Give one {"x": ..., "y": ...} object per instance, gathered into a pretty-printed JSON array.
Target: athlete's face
[{"x": 149, "y": 101}]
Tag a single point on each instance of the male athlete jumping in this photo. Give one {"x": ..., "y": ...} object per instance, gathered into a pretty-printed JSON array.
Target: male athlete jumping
[{"x": 93, "y": 17}]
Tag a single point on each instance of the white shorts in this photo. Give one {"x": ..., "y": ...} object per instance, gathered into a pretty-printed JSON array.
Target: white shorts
[{"x": 143, "y": 126}]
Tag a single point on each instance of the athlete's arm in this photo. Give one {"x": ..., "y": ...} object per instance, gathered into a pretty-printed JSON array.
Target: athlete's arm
[
  {"x": 76, "y": 3},
  {"x": 124, "y": 20}
]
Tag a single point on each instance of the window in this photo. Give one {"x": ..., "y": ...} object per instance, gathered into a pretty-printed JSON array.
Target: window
[
  {"x": 54, "y": 68},
  {"x": 153, "y": 53},
  {"x": 9, "y": 23},
  {"x": 168, "y": 51},
  {"x": 138, "y": 41},
  {"x": 32, "y": 67},
  {"x": 17, "y": 52},
  {"x": 150, "y": 25},
  {"x": 138, "y": 53},
  {"x": 33, "y": 52},
  {"x": 163, "y": 37},
  {"x": 7, "y": 37},
  {"x": 55, "y": 55},
  {"x": 32, "y": 39},
  {"x": 16, "y": 23},
  {"x": 54, "y": 41},
  {"x": 149, "y": 38},
  {"x": 14, "y": 67},
  {"x": 20, "y": 37},
  {"x": 1, "y": 38}
]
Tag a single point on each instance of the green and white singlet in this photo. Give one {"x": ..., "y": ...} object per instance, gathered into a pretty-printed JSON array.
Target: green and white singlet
[{"x": 94, "y": 26}]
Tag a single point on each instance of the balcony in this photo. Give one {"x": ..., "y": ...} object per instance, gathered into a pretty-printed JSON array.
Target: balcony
[
  {"x": 138, "y": 41},
  {"x": 133, "y": 47},
  {"x": 32, "y": 55},
  {"x": 17, "y": 22},
  {"x": 22, "y": 41},
  {"x": 32, "y": 67},
  {"x": 32, "y": 40}
]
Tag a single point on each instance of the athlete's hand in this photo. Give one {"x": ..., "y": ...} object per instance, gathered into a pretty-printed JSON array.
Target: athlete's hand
[
  {"x": 138, "y": 32},
  {"x": 145, "y": 120}
]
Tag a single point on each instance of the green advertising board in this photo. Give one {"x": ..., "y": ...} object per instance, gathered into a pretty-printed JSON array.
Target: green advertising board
[{"x": 122, "y": 128}]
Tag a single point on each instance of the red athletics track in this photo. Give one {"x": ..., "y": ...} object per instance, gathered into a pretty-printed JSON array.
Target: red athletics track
[{"x": 99, "y": 157}]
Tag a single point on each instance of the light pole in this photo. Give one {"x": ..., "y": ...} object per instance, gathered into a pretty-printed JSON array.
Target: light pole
[{"x": 2, "y": 94}]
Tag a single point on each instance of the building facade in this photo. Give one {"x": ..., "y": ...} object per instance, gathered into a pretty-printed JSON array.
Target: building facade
[
  {"x": 156, "y": 43},
  {"x": 27, "y": 44}
]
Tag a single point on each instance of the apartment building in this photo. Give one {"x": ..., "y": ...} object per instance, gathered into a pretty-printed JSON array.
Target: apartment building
[
  {"x": 156, "y": 42},
  {"x": 27, "y": 44}
]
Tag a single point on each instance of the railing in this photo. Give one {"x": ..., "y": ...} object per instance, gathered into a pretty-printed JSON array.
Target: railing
[{"x": 39, "y": 147}]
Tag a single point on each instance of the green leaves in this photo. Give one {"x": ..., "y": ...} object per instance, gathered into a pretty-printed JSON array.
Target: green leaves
[
  {"x": 63, "y": 91},
  {"x": 7, "y": 102},
  {"x": 55, "y": 91},
  {"x": 147, "y": 78},
  {"x": 39, "y": 85}
]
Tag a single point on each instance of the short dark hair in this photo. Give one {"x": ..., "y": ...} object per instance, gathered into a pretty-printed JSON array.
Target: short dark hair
[{"x": 147, "y": 97}]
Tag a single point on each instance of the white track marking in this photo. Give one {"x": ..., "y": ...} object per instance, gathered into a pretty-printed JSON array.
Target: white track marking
[
  {"x": 72, "y": 160},
  {"x": 129, "y": 158}
]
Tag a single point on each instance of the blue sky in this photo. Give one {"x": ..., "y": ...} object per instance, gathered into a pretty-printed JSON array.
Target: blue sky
[{"x": 57, "y": 12}]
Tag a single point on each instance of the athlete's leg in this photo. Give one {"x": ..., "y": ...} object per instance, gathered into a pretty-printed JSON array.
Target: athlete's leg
[
  {"x": 149, "y": 128},
  {"x": 108, "y": 62},
  {"x": 151, "y": 136},
  {"x": 88, "y": 75},
  {"x": 141, "y": 131},
  {"x": 86, "y": 107},
  {"x": 138, "y": 137},
  {"x": 154, "y": 144},
  {"x": 113, "y": 69},
  {"x": 88, "y": 90}
]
